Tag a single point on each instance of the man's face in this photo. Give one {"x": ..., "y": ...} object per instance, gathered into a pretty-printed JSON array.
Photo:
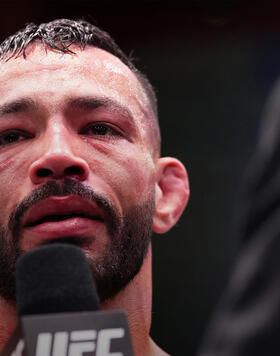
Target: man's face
[{"x": 76, "y": 162}]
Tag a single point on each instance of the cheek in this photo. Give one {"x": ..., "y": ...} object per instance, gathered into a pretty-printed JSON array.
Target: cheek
[
  {"x": 142, "y": 178},
  {"x": 13, "y": 172},
  {"x": 130, "y": 175}
]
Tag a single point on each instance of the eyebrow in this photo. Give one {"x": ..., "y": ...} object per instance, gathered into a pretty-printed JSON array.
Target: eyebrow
[
  {"x": 24, "y": 105},
  {"x": 93, "y": 103},
  {"x": 18, "y": 106}
]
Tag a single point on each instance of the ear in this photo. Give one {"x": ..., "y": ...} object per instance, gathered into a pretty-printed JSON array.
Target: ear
[{"x": 172, "y": 193}]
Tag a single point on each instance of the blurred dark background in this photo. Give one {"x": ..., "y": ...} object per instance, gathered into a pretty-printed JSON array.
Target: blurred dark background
[{"x": 213, "y": 64}]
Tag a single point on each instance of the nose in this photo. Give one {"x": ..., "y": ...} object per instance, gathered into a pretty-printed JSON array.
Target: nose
[{"x": 58, "y": 162}]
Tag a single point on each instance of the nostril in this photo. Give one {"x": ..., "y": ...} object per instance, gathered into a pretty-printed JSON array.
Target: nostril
[
  {"x": 73, "y": 170},
  {"x": 58, "y": 167},
  {"x": 44, "y": 172}
]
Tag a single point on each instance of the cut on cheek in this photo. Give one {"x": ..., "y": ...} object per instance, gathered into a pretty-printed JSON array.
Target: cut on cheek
[
  {"x": 12, "y": 175},
  {"x": 11, "y": 159},
  {"x": 6, "y": 163}
]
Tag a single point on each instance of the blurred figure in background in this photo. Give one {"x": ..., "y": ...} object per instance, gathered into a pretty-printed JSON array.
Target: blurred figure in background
[{"x": 247, "y": 321}]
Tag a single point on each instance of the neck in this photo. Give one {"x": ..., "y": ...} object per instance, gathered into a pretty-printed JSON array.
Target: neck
[
  {"x": 8, "y": 321},
  {"x": 136, "y": 301}
]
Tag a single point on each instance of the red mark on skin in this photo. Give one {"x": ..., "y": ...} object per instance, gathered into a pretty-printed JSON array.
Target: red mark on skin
[{"x": 6, "y": 163}]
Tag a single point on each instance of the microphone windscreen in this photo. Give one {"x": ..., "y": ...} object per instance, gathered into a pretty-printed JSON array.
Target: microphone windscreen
[{"x": 54, "y": 278}]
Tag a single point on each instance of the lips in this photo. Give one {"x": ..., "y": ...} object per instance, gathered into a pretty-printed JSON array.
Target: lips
[
  {"x": 61, "y": 208},
  {"x": 57, "y": 217}
]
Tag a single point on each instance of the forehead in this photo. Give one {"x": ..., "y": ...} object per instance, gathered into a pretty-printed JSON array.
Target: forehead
[
  {"x": 90, "y": 65},
  {"x": 49, "y": 75}
]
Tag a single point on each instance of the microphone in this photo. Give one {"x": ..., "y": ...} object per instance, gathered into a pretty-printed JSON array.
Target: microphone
[
  {"x": 58, "y": 308},
  {"x": 54, "y": 278}
]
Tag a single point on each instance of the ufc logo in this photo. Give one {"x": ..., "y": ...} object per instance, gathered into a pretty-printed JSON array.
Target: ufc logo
[
  {"x": 19, "y": 349},
  {"x": 76, "y": 343}
]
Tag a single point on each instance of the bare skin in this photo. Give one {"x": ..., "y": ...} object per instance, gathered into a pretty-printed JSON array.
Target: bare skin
[{"x": 46, "y": 103}]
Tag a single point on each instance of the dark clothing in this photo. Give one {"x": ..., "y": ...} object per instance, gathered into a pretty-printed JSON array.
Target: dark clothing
[{"x": 247, "y": 321}]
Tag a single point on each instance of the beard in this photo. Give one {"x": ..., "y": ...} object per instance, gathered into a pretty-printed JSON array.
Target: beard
[{"x": 130, "y": 236}]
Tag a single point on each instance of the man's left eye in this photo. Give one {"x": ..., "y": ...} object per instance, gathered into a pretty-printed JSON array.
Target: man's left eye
[{"x": 98, "y": 129}]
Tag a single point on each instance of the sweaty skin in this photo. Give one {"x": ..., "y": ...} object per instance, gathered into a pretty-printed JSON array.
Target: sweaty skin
[{"x": 88, "y": 111}]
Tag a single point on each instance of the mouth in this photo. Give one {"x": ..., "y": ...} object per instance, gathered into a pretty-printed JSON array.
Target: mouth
[{"x": 58, "y": 217}]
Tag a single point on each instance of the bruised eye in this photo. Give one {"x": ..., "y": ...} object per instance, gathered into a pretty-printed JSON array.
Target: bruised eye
[
  {"x": 98, "y": 129},
  {"x": 13, "y": 136}
]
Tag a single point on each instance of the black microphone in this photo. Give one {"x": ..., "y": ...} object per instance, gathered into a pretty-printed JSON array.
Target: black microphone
[
  {"x": 58, "y": 308},
  {"x": 54, "y": 278}
]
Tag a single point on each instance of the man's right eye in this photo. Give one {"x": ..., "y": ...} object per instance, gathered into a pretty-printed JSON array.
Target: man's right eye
[{"x": 13, "y": 136}]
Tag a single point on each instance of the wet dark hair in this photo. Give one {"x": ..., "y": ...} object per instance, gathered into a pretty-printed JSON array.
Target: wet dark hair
[{"x": 61, "y": 34}]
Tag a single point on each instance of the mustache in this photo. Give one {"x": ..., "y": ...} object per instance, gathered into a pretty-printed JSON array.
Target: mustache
[{"x": 66, "y": 187}]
